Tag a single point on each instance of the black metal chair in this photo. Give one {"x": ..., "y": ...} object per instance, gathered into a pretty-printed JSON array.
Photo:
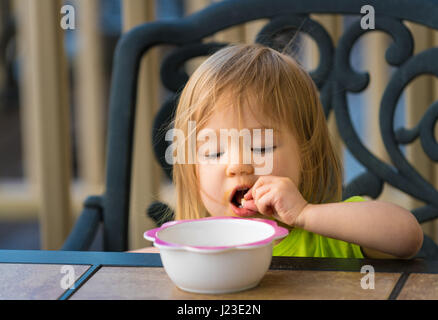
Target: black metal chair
[{"x": 334, "y": 77}]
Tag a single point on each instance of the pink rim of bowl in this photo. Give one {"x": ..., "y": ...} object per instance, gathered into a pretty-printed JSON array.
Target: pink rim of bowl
[{"x": 152, "y": 235}]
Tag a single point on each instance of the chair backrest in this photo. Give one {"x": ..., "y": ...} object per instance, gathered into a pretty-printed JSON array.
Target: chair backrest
[{"x": 334, "y": 77}]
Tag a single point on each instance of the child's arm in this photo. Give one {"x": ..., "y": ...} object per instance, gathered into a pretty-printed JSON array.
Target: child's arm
[{"x": 382, "y": 229}]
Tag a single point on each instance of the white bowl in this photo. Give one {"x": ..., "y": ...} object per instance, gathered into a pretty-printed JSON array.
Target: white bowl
[{"x": 216, "y": 254}]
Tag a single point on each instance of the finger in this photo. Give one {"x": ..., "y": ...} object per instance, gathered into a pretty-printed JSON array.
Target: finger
[
  {"x": 260, "y": 191},
  {"x": 249, "y": 194},
  {"x": 260, "y": 181},
  {"x": 250, "y": 204},
  {"x": 264, "y": 204}
]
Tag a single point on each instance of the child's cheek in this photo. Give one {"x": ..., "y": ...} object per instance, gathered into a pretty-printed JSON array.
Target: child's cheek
[
  {"x": 226, "y": 197},
  {"x": 285, "y": 165}
]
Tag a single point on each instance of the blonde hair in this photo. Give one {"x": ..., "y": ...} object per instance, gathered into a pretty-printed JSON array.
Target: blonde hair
[{"x": 287, "y": 97}]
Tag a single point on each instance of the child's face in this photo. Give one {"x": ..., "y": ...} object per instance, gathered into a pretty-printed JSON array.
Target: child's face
[{"x": 217, "y": 180}]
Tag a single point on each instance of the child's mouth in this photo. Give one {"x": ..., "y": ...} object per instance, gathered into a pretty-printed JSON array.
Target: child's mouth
[
  {"x": 237, "y": 202},
  {"x": 237, "y": 198}
]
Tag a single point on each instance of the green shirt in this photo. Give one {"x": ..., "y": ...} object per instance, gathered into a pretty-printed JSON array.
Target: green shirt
[{"x": 302, "y": 243}]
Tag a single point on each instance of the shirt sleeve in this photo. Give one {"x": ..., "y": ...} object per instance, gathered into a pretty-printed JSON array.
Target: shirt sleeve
[{"x": 354, "y": 199}]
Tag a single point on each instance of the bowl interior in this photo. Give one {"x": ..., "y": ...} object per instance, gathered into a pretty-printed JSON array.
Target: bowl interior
[{"x": 216, "y": 233}]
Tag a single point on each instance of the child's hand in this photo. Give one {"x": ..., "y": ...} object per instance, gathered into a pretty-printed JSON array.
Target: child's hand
[{"x": 277, "y": 197}]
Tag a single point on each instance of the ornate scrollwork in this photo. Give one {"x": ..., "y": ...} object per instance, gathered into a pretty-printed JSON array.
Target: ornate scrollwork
[
  {"x": 402, "y": 175},
  {"x": 422, "y": 63},
  {"x": 281, "y": 34},
  {"x": 174, "y": 77},
  {"x": 271, "y": 33},
  {"x": 400, "y": 50}
]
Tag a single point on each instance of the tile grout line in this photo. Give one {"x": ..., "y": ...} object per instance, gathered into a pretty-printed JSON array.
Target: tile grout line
[
  {"x": 78, "y": 283},
  {"x": 399, "y": 286}
]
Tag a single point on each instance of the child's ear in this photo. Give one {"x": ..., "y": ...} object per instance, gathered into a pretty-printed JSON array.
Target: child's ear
[{"x": 160, "y": 212}]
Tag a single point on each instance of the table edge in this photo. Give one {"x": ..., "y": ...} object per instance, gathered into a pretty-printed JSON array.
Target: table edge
[{"x": 153, "y": 260}]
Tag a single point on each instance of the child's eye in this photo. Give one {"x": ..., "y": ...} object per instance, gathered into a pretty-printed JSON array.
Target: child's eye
[
  {"x": 264, "y": 149},
  {"x": 214, "y": 155}
]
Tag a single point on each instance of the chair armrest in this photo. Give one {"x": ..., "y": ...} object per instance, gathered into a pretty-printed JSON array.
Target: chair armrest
[{"x": 84, "y": 230}]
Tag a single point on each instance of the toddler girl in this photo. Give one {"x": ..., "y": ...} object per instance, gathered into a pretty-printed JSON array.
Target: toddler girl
[{"x": 271, "y": 97}]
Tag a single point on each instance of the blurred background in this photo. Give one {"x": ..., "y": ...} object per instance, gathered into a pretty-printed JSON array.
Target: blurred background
[{"x": 54, "y": 89}]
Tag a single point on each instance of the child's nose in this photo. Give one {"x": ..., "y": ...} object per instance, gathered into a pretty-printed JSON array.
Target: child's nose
[
  {"x": 240, "y": 161},
  {"x": 239, "y": 169}
]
